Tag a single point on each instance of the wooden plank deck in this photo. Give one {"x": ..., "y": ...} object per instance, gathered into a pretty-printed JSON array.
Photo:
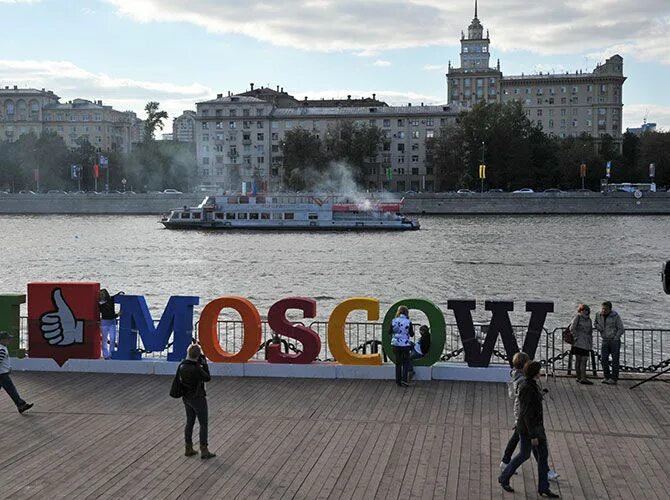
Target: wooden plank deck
[{"x": 120, "y": 436}]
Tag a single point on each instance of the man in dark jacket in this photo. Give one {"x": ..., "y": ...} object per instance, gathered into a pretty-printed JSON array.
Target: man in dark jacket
[
  {"x": 530, "y": 426},
  {"x": 609, "y": 325},
  {"x": 194, "y": 372}
]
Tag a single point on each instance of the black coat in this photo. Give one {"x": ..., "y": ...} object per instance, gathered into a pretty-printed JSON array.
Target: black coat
[
  {"x": 193, "y": 375},
  {"x": 531, "y": 420}
]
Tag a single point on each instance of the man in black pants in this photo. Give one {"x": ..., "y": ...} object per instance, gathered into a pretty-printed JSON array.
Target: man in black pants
[
  {"x": 5, "y": 380},
  {"x": 194, "y": 372}
]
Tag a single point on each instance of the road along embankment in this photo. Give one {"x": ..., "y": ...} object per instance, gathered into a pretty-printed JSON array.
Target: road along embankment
[{"x": 438, "y": 203}]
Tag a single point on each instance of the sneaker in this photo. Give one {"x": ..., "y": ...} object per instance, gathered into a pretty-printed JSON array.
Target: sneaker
[
  {"x": 404, "y": 384},
  {"x": 552, "y": 475},
  {"x": 503, "y": 465},
  {"x": 25, "y": 406},
  {"x": 585, "y": 381}
]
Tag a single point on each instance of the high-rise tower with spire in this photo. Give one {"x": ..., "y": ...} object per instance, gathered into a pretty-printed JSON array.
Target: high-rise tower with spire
[{"x": 474, "y": 80}]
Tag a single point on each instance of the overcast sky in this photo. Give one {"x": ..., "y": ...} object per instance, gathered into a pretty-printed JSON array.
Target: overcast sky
[{"x": 177, "y": 52}]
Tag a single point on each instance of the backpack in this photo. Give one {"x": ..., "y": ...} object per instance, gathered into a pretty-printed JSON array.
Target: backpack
[{"x": 177, "y": 389}]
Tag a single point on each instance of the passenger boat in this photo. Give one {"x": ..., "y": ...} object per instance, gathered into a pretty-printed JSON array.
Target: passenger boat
[{"x": 290, "y": 212}]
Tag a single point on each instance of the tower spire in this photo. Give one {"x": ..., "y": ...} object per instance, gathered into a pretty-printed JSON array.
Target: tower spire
[{"x": 475, "y": 9}]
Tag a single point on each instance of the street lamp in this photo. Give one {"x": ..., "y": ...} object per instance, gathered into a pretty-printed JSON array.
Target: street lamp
[{"x": 482, "y": 167}]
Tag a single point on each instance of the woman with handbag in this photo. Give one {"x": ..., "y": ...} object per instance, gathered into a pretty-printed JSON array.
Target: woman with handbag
[{"x": 582, "y": 333}]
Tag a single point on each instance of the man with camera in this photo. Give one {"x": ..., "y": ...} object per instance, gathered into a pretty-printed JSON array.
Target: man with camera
[{"x": 193, "y": 373}]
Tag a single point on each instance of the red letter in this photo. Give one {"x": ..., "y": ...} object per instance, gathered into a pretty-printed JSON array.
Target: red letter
[{"x": 311, "y": 343}]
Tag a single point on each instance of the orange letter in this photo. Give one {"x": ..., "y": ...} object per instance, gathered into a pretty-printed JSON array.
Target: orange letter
[
  {"x": 208, "y": 331},
  {"x": 336, "y": 323}
]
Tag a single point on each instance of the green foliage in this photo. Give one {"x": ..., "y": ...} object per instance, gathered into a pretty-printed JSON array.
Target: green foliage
[{"x": 153, "y": 121}]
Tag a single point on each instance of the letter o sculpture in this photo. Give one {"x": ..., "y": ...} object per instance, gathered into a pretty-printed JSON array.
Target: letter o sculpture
[
  {"x": 438, "y": 330},
  {"x": 207, "y": 330}
]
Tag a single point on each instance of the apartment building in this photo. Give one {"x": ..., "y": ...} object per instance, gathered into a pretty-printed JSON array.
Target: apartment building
[
  {"x": 239, "y": 139},
  {"x": 24, "y": 111},
  {"x": 183, "y": 127},
  {"x": 564, "y": 104}
]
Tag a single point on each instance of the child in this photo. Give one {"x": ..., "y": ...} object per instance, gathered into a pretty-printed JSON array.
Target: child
[
  {"x": 5, "y": 381},
  {"x": 420, "y": 348}
]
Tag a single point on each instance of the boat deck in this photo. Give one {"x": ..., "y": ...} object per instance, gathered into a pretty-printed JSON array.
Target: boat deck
[{"x": 120, "y": 436}]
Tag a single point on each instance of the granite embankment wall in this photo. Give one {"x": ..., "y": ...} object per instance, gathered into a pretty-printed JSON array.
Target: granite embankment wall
[{"x": 443, "y": 203}]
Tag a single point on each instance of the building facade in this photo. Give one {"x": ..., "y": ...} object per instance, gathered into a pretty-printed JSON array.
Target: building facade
[
  {"x": 25, "y": 111},
  {"x": 564, "y": 104},
  {"x": 239, "y": 139},
  {"x": 183, "y": 127}
]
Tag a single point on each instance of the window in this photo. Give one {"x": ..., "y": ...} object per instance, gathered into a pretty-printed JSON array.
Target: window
[
  {"x": 259, "y": 124},
  {"x": 245, "y": 112},
  {"x": 259, "y": 111},
  {"x": 415, "y": 146},
  {"x": 575, "y": 89},
  {"x": 260, "y": 136},
  {"x": 430, "y": 134},
  {"x": 401, "y": 122},
  {"x": 205, "y": 125},
  {"x": 401, "y": 159},
  {"x": 288, "y": 124},
  {"x": 415, "y": 171},
  {"x": 205, "y": 137},
  {"x": 415, "y": 158},
  {"x": 589, "y": 88},
  {"x": 563, "y": 112},
  {"x": 401, "y": 147},
  {"x": 415, "y": 134},
  {"x": 551, "y": 123},
  {"x": 401, "y": 135},
  {"x": 466, "y": 82},
  {"x": 242, "y": 216},
  {"x": 539, "y": 112},
  {"x": 288, "y": 216},
  {"x": 232, "y": 124},
  {"x": 205, "y": 161},
  {"x": 230, "y": 215},
  {"x": 275, "y": 136},
  {"x": 387, "y": 122},
  {"x": 313, "y": 216},
  {"x": 265, "y": 216},
  {"x": 233, "y": 112},
  {"x": 575, "y": 111},
  {"x": 205, "y": 172},
  {"x": 253, "y": 216}
]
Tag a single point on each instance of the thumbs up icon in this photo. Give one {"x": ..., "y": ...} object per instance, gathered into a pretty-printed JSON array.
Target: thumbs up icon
[{"x": 60, "y": 327}]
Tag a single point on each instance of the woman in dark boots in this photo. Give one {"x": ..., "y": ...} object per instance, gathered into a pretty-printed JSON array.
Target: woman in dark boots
[
  {"x": 530, "y": 426},
  {"x": 582, "y": 331},
  {"x": 194, "y": 372}
]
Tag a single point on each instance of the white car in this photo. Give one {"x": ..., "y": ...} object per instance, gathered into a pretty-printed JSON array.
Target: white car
[
  {"x": 523, "y": 190},
  {"x": 171, "y": 191}
]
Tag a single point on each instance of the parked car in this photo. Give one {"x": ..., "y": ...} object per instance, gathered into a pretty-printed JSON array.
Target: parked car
[
  {"x": 523, "y": 191},
  {"x": 465, "y": 191},
  {"x": 26, "y": 191},
  {"x": 56, "y": 191},
  {"x": 553, "y": 190},
  {"x": 171, "y": 191}
]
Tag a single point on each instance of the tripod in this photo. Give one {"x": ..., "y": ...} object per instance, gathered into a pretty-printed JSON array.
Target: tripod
[{"x": 652, "y": 377}]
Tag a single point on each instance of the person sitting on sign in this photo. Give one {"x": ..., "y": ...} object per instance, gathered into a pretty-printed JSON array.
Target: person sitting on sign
[{"x": 420, "y": 348}]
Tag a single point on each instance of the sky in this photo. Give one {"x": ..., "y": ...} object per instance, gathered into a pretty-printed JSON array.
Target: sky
[{"x": 179, "y": 52}]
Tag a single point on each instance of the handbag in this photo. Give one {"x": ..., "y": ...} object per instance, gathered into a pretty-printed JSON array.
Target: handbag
[
  {"x": 568, "y": 337},
  {"x": 177, "y": 390}
]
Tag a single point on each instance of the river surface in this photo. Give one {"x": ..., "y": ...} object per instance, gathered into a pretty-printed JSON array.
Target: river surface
[{"x": 566, "y": 259}]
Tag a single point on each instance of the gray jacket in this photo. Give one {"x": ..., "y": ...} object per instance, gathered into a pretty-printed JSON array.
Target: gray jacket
[
  {"x": 513, "y": 389},
  {"x": 609, "y": 327},
  {"x": 582, "y": 329}
]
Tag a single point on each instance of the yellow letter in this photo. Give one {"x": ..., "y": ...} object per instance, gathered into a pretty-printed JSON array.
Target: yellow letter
[{"x": 336, "y": 324}]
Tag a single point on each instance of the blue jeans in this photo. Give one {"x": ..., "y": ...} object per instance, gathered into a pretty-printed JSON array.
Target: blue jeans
[
  {"x": 610, "y": 347},
  {"x": 402, "y": 363},
  {"x": 7, "y": 384},
  {"x": 196, "y": 408},
  {"x": 523, "y": 455},
  {"x": 413, "y": 357},
  {"x": 511, "y": 446}
]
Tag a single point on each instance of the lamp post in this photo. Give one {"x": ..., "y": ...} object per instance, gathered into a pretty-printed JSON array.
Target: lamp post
[
  {"x": 582, "y": 172},
  {"x": 482, "y": 167}
]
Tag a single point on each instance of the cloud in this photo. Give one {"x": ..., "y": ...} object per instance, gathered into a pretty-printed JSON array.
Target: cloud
[
  {"x": 70, "y": 81},
  {"x": 369, "y": 26},
  {"x": 435, "y": 67},
  {"x": 634, "y": 115},
  {"x": 381, "y": 63}
]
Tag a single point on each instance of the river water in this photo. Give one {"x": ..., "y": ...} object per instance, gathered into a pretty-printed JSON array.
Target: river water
[{"x": 567, "y": 259}]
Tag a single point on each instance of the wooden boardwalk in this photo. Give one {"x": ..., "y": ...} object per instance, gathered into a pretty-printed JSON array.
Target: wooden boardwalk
[{"x": 120, "y": 436}]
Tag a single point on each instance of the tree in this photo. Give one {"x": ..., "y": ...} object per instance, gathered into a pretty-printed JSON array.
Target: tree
[
  {"x": 444, "y": 155},
  {"x": 356, "y": 145},
  {"x": 154, "y": 120},
  {"x": 304, "y": 159}
]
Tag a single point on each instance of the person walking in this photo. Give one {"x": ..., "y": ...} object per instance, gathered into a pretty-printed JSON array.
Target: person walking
[
  {"x": 516, "y": 377},
  {"x": 401, "y": 330},
  {"x": 530, "y": 426},
  {"x": 582, "y": 332},
  {"x": 107, "y": 322},
  {"x": 193, "y": 373},
  {"x": 5, "y": 380},
  {"x": 610, "y": 327}
]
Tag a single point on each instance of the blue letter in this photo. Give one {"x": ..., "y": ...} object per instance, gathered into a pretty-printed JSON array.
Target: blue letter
[{"x": 135, "y": 318}]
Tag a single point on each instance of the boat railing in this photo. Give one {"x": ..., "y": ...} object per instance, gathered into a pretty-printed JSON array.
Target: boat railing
[{"x": 643, "y": 350}]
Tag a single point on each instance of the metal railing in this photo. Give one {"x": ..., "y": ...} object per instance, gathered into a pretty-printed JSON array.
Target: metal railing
[{"x": 642, "y": 350}]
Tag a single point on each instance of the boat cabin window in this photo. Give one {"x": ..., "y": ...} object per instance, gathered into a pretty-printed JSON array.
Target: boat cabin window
[
  {"x": 242, "y": 216},
  {"x": 253, "y": 216},
  {"x": 196, "y": 215},
  {"x": 230, "y": 215},
  {"x": 276, "y": 215},
  {"x": 288, "y": 215},
  {"x": 232, "y": 200},
  {"x": 218, "y": 215},
  {"x": 244, "y": 199},
  {"x": 260, "y": 199},
  {"x": 265, "y": 216},
  {"x": 313, "y": 216},
  {"x": 185, "y": 215}
]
